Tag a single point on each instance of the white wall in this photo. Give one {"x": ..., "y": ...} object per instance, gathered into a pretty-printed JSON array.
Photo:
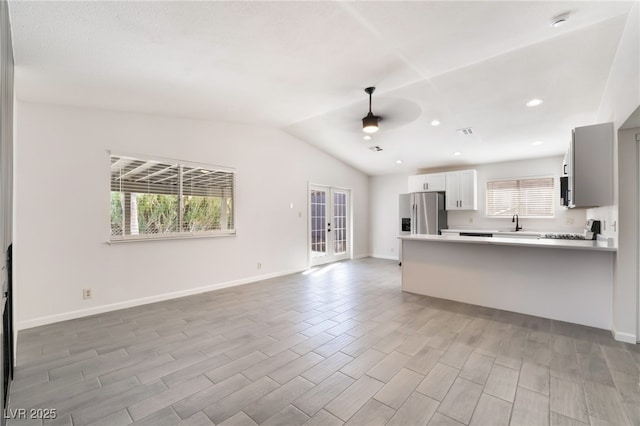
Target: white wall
[
  {"x": 384, "y": 192},
  {"x": 384, "y": 214},
  {"x": 621, "y": 97},
  {"x": 62, "y": 211},
  {"x": 627, "y": 259}
]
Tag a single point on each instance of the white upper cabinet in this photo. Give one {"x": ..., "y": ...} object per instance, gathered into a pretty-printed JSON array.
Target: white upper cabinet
[
  {"x": 461, "y": 190},
  {"x": 427, "y": 183},
  {"x": 590, "y": 166}
]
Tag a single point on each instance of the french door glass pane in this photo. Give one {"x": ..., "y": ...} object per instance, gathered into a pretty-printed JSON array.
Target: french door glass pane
[
  {"x": 318, "y": 221},
  {"x": 340, "y": 220}
]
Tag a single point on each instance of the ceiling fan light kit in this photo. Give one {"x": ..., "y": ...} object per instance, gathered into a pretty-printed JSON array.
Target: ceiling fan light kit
[{"x": 370, "y": 122}]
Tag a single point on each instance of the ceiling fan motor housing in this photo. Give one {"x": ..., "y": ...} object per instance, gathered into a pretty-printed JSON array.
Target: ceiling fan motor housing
[{"x": 370, "y": 122}]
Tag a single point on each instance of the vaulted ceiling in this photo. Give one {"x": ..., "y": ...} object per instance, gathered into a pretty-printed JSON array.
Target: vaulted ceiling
[{"x": 302, "y": 67}]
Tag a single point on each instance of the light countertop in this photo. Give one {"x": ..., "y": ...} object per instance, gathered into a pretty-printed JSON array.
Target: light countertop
[
  {"x": 494, "y": 231},
  {"x": 521, "y": 242}
]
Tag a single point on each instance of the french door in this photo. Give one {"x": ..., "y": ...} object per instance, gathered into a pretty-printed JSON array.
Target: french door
[{"x": 329, "y": 227}]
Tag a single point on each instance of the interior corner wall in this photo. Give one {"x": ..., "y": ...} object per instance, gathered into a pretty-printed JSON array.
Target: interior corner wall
[
  {"x": 621, "y": 97},
  {"x": 384, "y": 214},
  {"x": 62, "y": 209}
]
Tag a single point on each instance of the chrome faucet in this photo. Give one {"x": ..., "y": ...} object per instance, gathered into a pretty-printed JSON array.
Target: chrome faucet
[{"x": 515, "y": 219}]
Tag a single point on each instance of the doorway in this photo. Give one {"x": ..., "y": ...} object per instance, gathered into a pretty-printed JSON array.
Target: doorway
[{"x": 329, "y": 224}]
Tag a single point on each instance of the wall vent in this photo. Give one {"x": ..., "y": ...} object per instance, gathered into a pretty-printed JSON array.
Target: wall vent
[
  {"x": 375, "y": 148},
  {"x": 466, "y": 131}
]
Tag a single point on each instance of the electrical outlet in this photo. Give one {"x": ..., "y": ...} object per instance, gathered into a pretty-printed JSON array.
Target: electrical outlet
[
  {"x": 570, "y": 221},
  {"x": 391, "y": 249},
  {"x": 259, "y": 265},
  {"x": 86, "y": 293},
  {"x": 470, "y": 220}
]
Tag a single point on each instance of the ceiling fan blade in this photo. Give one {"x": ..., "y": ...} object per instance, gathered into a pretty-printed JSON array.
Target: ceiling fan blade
[{"x": 394, "y": 112}]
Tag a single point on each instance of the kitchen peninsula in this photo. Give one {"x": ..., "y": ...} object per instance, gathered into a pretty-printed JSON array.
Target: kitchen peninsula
[{"x": 563, "y": 280}]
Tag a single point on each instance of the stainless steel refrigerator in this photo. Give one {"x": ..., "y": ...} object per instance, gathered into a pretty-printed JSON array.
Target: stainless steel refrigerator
[{"x": 422, "y": 213}]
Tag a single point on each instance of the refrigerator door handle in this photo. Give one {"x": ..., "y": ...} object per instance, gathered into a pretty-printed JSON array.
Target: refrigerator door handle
[{"x": 414, "y": 219}]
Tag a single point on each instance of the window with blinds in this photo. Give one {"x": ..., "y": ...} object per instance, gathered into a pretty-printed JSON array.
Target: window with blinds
[
  {"x": 524, "y": 197},
  {"x": 162, "y": 199}
]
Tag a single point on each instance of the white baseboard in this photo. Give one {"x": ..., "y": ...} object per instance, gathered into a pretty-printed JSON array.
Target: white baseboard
[
  {"x": 624, "y": 337},
  {"x": 50, "y": 319},
  {"x": 360, "y": 256},
  {"x": 384, "y": 256}
]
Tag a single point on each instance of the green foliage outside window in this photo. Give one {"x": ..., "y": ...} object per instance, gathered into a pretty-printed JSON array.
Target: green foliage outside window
[{"x": 158, "y": 213}]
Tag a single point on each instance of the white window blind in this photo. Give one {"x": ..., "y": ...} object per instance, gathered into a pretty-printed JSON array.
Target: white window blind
[
  {"x": 524, "y": 197},
  {"x": 153, "y": 198}
]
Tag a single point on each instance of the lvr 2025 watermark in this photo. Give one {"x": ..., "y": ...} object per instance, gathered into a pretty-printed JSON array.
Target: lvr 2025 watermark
[{"x": 30, "y": 414}]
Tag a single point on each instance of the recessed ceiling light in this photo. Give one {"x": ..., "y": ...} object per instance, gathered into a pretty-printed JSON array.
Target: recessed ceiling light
[
  {"x": 559, "y": 20},
  {"x": 534, "y": 102},
  {"x": 536, "y": 143},
  {"x": 435, "y": 123},
  {"x": 366, "y": 137},
  {"x": 398, "y": 161},
  {"x": 457, "y": 153}
]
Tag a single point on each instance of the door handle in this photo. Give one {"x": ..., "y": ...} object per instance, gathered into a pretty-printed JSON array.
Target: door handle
[{"x": 414, "y": 217}]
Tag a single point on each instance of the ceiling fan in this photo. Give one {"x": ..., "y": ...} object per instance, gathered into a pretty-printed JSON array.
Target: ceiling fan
[{"x": 370, "y": 122}]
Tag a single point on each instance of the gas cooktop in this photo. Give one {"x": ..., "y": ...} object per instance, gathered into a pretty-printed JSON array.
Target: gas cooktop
[{"x": 564, "y": 236}]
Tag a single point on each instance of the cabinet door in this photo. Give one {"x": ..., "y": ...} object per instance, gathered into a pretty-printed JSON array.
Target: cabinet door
[
  {"x": 435, "y": 182},
  {"x": 592, "y": 166},
  {"x": 570, "y": 173},
  {"x": 427, "y": 183},
  {"x": 415, "y": 183},
  {"x": 451, "y": 191},
  {"x": 461, "y": 190},
  {"x": 467, "y": 190}
]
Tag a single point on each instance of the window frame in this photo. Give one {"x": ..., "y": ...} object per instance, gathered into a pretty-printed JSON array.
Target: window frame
[
  {"x": 521, "y": 178},
  {"x": 177, "y": 235}
]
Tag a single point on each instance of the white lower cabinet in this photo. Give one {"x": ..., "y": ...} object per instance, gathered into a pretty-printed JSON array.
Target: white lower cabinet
[{"x": 461, "y": 190}]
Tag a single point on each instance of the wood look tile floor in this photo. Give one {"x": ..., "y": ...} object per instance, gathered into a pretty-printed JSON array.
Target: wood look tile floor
[{"x": 339, "y": 344}]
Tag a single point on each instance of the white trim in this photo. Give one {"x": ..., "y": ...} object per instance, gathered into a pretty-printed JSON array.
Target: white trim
[
  {"x": 171, "y": 236},
  {"x": 384, "y": 256},
  {"x": 624, "y": 337},
  {"x": 362, "y": 256},
  {"x": 36, "y": 322},
  {"x": 147, "y": 157},
  {"x": 329, "y": 255}
]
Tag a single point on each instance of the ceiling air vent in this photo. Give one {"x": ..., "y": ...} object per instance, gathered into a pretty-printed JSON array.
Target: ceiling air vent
[
  {"x": 375, "y": 148},
  {"x": 467, "y": 131}
]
